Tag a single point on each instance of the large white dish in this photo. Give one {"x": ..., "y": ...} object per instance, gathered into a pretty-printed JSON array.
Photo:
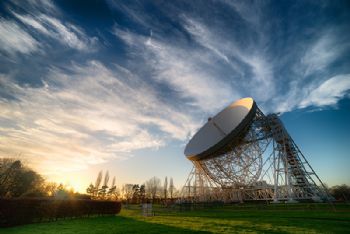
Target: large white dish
[{"x": 221, "y": 129}]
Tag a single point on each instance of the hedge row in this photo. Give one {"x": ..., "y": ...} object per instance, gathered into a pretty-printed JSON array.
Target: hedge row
[{"x": 30, "y": 210}]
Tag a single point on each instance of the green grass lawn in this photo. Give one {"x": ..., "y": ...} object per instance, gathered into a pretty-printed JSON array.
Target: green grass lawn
[{"x": 299, "y": 218}]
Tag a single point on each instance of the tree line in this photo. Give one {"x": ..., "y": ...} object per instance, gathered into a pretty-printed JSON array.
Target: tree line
[
  {"x": 18, "y": 180},
  {"x": 151, "y": 190},
  {"x": 25, "y": 197},
  {"x": 103, "y": 192}
]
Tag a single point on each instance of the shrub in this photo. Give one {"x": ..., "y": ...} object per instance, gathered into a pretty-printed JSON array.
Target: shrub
[{"x": 19, "y": 211}]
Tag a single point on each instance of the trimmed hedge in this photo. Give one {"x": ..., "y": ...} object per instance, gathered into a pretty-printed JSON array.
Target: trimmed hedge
[{"x": 19, "y": 211}]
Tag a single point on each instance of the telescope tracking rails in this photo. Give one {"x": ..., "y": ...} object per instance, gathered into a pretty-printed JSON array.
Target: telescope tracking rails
[{"x": 241, "y": 155}]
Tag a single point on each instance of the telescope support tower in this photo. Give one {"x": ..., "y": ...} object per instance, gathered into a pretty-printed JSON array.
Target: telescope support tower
[{"x": 264, "y": 163}]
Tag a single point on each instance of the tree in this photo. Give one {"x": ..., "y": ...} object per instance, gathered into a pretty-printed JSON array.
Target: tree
[
  {"x": 341, "y": 192},
  {"x": 135, "y": 193},
  {"x": 152, "y": 187},
  {"x": 90, "y": 190},
  {"x": 142, "y": 192},
  {"x": 97, "y": 183},
  {"x": 171, "y": 188},
  {"x": 62, "y": 192},
  {"x": 17, "y": 180},
  {"x": 103, "y": 190},
  {"x": 50, "y": 188},
  {"x": 127, "y": 191},
  {"x": 165, "y": 187},
  {"x": 112, "y": 192}
]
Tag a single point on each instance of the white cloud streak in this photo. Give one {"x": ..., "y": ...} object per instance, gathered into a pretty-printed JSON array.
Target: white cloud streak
[
  {"x": 226, "y": 49},
  {"x": 313, "y": 83},
  {"x": 180, "y": 69},
  {"x": 67, "y": 34},
  {"x": 325, "y": 50},
  {"x": 14, "y": 39},
  {"x": 28, "y": 20},
  {"x": 249, "y": 12},
  {"x": 36, "y": 5},
  {"x": 329, "y": 92}
]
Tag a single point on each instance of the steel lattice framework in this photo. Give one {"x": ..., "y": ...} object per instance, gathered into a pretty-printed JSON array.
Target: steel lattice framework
[{"x": 263, "y": 163}]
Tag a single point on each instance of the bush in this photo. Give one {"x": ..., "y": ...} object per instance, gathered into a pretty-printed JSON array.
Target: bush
[
  {"x": 341, "y": 192},
  {"x": 19, "y": 211}
]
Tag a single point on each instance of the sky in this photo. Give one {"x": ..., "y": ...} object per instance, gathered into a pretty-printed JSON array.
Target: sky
[{"x": 123, "y": 85}]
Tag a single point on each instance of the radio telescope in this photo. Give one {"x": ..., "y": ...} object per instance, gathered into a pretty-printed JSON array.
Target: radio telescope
[{"x": 240, "y": 154}]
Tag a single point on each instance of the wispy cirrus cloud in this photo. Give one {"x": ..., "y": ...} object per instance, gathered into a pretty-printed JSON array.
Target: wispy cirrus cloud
[
  {"x": 65, "y": 33},
  {"x": 31, "y": 21},
  {"x": 45, "y": 18},
  {"x": 244, "y": 64},
  {"x": 258, "y": 76},
  {"x": 329, "y": 92},
  {"x": 84, "y": 117},
  {"x": 326, "y": 49},
  {"x": 181, "y": 69},
  {"x": 313, "y": 77},
  {"x": 34, "y": 6},
  {"x": 197, "y": 71},
  {"x": 251, "y": 13},
  {"x": 184, "y": 72},
  {"x": 15, "y": 39}
]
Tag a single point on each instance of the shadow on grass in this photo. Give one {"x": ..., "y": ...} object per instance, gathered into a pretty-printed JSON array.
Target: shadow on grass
[
  {"x": 100, "y": 225},
  {"x": 205, "y": 221},
  {"x": 270, "y": 221}
]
